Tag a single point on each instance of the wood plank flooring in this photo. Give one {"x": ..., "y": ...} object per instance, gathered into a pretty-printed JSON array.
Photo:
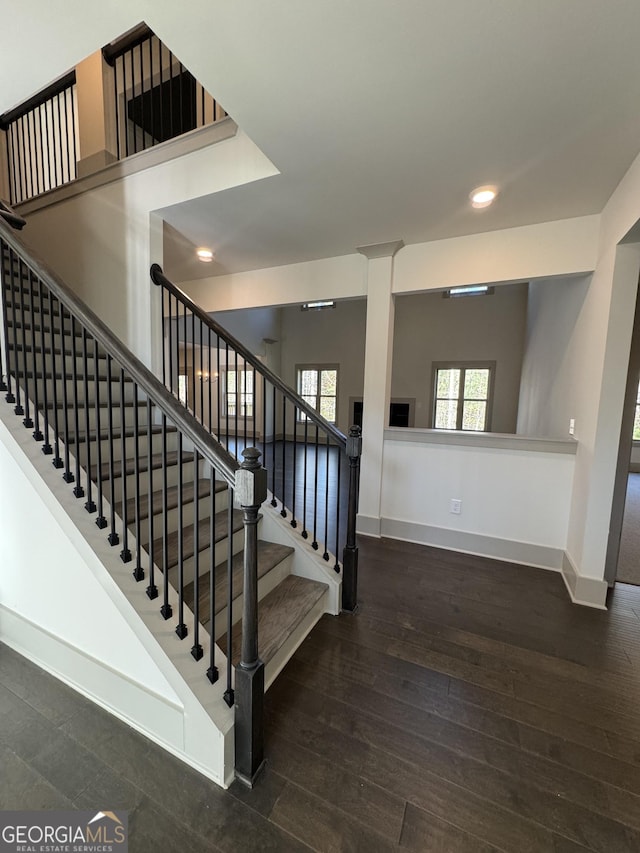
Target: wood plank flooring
[{"x": 468, "y": 707}]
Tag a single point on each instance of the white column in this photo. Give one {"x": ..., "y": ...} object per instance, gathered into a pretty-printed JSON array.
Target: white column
[{"x": 377, "y": 380}]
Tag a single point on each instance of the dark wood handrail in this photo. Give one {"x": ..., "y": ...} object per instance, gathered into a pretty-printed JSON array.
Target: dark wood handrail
[
  {"x": 133, "y": 38},
  {"x": 159, "y": 278},
  {"x": 9, "y": 215},
  {"x": 38, "y": 99},
  {"x": 208, "y": 447}
]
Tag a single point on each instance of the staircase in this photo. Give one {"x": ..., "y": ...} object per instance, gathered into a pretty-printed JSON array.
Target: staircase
[{"x": 163, "y": 490}]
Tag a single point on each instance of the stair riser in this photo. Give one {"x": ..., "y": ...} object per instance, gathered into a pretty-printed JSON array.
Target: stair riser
[
  {"x": 204, "y": 560},
  {"x": 172, "y": 480},
  {"x": 104, "y": 417},
  {"x": 188, "y": 514},
  {"x": 35, "y": 362},
  {"x": 103, "y": 389},
  {"x": 156, "y": 445}
]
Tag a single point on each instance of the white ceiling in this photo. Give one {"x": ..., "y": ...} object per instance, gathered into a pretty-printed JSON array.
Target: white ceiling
[{"x": 381, "y": 115}]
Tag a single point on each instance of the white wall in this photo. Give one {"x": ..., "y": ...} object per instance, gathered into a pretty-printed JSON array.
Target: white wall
[
  {"x": 513, "y": 499},
  {"x": 99, "y": 241},
  {"x": 251, "y": 327},
  {"x": 430, "y": 328},
  {"x": 557, "y": 335}
]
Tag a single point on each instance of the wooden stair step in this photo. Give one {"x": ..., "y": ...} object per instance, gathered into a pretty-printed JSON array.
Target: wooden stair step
[
  {"x": 117, "y": 433},
  {"x": 279, "y": 614},
  {"x": 270, "y": 554},
  {"x": 188, "y": 538},
  {"x": 143, "y": 464},
  {"x": 204, "y": 490}
]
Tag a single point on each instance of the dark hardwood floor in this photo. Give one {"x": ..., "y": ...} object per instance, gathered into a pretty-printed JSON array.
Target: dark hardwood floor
[{"x": 468, "y": 707}]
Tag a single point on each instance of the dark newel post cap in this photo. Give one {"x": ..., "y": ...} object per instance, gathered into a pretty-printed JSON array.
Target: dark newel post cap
[
  {"x": 154, "y": 271},
  {"x": 251, "y": 458},
  {"x": 354, "y": 442}
]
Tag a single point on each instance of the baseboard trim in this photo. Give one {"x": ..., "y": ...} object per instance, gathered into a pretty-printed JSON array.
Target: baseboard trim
[
  {"x": 512, "y": 551},
  {"x": 368, "y": 525},
  {"x": 590, "y": 592}
]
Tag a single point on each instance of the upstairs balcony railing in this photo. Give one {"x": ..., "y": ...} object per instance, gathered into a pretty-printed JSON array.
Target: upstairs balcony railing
[
  {"x": 147, "y": 97},
  {"x": 41, "y": 137},
  {"x": 313, "y": 468},
  {"x": 155, "y": 98}
]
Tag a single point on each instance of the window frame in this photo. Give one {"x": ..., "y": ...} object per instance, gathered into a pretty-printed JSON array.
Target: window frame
[
  {"x": 463, "y": 366},
  {"x": 318, "y": 367},
  {"x": 224, "y": 393}
]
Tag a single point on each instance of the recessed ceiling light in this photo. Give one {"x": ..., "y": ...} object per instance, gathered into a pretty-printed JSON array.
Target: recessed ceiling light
[
  {"x": 205, "y": 255},
  {"x": 483, "y": 196}
]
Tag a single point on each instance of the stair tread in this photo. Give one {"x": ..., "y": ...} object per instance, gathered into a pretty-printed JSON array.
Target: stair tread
[
  {"x": 188, "y": 537},
  {"x": 204, "y": 490},
  {"x": 143, "y": 464},
  {"x": 279, "y": 614},
  {"x": 270, "y": 554},
  {"x": 156, "y": 429}
]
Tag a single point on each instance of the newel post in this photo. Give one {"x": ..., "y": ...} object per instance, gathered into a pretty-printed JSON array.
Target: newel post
[
  {"x": 350, "y": 552},
  {"x": 251, "y": 491}
]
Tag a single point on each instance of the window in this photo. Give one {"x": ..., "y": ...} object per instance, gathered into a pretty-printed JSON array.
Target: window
[
  {"x": 237, "y": 399},
  {"x": 462, "y": 396},
  {"x": 318, "y": 386}
]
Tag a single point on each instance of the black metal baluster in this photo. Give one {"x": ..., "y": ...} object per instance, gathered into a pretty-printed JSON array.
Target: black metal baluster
[
  {"x": 89, "y": 505},
  {"x": 180, "y": 72},
  {"x": 161, "y": 84},
  {"x": 171, "y": 113},
  {"x": 181, "y": 628},
  {"x": 243, "y": 400},
  {"x": 325, "y": 556},
  {"x": 210, "y": 382},
  {"x": 294, "y": 466},
  {"x": 67, "y": 149},
  {"x": 235, "y": 418},
  {"x": 212, "y": 672},
  {"x": 113, "y": 537},
  {"x": 264, "y": 418},
  {"x": 226, "y": 391},
  {"x": 170, "y": 347},
  {"x": 338, "y": 501},
  {"x": 78, "y": 490},
  {"x": 201, "y": 376},
  {"x": 9, "y": 357},
  {"x": 11, "y": 162},
  {"x": 254, "y": 408},
  {"x": 219, "y": 380},
  {"x": 304, "y": 534},
  {"x": 46, "y": 447},
  {"x": 101, "y": 521},
  {"x": 125, "y": 118},
  {"x": 57, "y": 461},
  {"x": 68, "y": 475},
  {"x": 283, "y": 511},
  {"x": 27, "y": 415},
  {"x": 193, "y": 361},
  {"x": 274, "y": 502},
  {"x": 138, "y": 572},
  {"x": 38, "y": 149},
  {"x": 196, "y": 650},
  {"x": 152, "y": 589},
  {"x": 166, "y": 610},
  {"x": 46, "y": 131},
  {"x": 14, "y": 322},
  {"x": 125, "y": 554},
  {"x": 142, "y": 99},
  {"x": 314, "y": 544},
  {"x": 29, "y": 173},
  {"x": 229, "y": 694}
]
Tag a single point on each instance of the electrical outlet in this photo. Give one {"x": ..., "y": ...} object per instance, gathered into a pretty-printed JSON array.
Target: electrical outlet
[{"x": 456, "y": 506}]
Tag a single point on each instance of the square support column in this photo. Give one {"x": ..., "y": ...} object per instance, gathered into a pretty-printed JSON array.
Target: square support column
[{"x": 377, "y": 379}]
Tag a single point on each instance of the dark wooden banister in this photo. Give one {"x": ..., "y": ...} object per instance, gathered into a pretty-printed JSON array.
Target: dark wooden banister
[
  {"x": 55, "y": 88},
  {"x": 207, "y": 445},
  {"x": 159, "y": 278},
  {"x": 9, "y": 215}
]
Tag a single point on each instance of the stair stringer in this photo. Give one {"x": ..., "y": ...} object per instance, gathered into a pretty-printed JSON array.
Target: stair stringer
[
  {"x": 305, "y": 562},
  {"x": 173, "y": 703}
]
